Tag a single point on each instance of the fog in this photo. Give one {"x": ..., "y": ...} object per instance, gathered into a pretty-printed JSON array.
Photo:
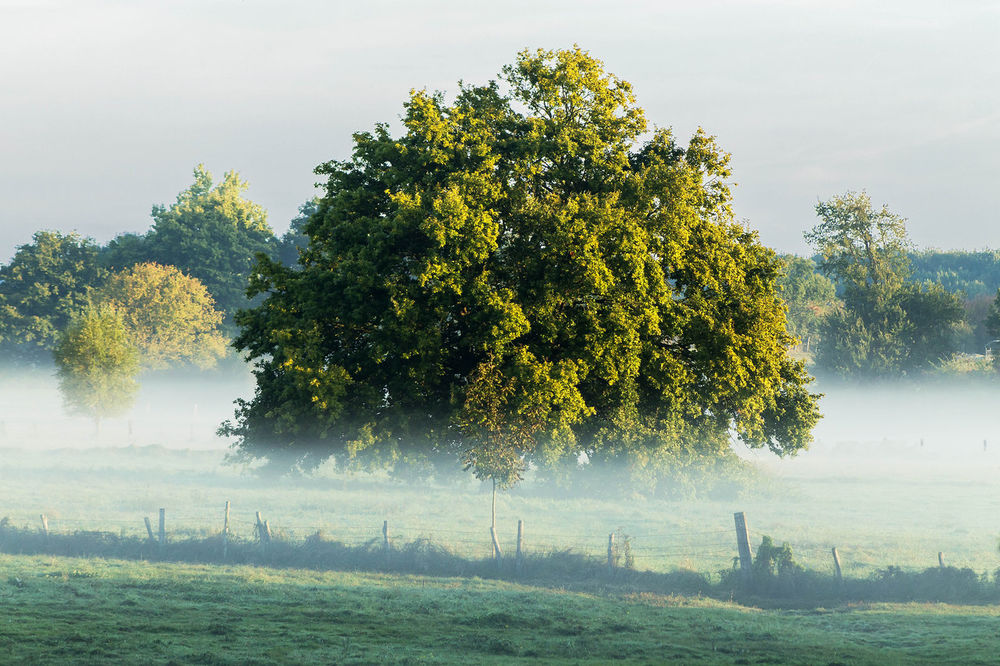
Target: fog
[
  {"x": 906, "y": 420},
  {"x": 175, "y": 411},
  {"x": 898, "y": 472}
]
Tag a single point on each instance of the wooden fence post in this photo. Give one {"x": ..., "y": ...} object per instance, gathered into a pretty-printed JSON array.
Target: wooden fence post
[
  {"x": 149, "y": 528},
  {"x": 941, "y": 559},
  {"x": 743, "y": 544},
  {"x": 225, "y": 533},
  {"x": 45, "y": 526},
  {"x": 519, "y": 559},
  {"x": 611, "y": 553},
  {"x": 836, "y": 566},
  {"x": 163, "y": 527}
]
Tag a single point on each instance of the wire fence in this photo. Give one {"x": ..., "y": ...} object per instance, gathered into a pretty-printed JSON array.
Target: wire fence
[{"x": 649, "y": 550}]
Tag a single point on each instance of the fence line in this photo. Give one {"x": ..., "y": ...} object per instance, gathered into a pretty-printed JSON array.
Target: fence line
[{"x": 663, "y": 547}]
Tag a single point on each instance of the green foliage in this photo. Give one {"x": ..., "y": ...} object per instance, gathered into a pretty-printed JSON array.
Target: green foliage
[
  {"x": 211, "y": 233},
  {"x": 887, "y": 325},
  {"x": 973, "y": 274},
  {"x": 773, "y": 561},
  {"x": 520, "y": 277},
  {"x": 170, "y": 317},
  {"x": 294, "y": 240},
  {"x": 992, "y": 324},
  {"x": 46, "y": 283},
  {"x": 97, "y": 363},
  {"x": 808, "y": 295},
  {"x": 863, "y": 249}
]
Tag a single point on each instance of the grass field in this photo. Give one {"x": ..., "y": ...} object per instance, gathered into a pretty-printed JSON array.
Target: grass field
[
  {"x": 888, "y": 512},
  {"x": 61, "y": 610},
  {"x": 883, "y": 502}
]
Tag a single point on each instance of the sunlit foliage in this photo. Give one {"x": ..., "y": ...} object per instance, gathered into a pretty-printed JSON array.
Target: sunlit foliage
[
  {"x": 211, "y": 233},
  {"x": 170, "y": 317},
  {"x": 529, "y": 273},
  {"x": 97, "y": 363}
]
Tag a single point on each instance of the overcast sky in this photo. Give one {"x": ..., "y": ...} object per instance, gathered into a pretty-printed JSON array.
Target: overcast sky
[{"x": 106, "y": 107}]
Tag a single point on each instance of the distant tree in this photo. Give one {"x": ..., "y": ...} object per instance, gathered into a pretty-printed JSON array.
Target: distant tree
[
  {"x": 808, "y": 295},
  {"x": 45, "y": 284},
  {"x": 97, "y": 364},
  {"x": 170, "y": 317},
  {"x": 295, "y": 239},
  {"x": 934, "y": 315},
  {"x": 124, "y": 250},
  {"x": 863, "y": 249},
  {"x": 993, "y": 327},
  {"x": 211, "y": 232},
  {"x": 523, "y": 277},
  {"x": 887, "y": 325}
]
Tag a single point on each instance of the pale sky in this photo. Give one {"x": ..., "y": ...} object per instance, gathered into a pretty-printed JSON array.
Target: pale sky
[{"x": 106, "y": 107}]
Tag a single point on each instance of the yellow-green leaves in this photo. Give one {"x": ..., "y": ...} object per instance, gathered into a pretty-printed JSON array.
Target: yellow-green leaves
[
  {"x": 519, "y": 278},
  {"x": 170, "y": 317},
  {"x": 97, "y": 363}
]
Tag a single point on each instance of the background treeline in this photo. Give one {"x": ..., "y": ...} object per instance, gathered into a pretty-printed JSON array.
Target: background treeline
[
  {"x": 868, "y": 304},
  {"x": 212, "y": 234},
  {"x": 203, "y": 246}
]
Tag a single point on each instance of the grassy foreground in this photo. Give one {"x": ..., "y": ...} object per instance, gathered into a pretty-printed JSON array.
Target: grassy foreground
[{"x": 69, "y": 610}]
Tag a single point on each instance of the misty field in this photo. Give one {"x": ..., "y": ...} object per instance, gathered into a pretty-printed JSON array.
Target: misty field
[{"x": 882, "y": 501}]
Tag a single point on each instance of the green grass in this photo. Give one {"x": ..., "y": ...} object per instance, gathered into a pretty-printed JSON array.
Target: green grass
[
  {"x": 884, "y": 512},
  {"x": 64, "y": 610}
]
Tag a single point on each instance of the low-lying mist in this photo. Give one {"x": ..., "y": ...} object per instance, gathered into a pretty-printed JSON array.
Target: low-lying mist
[{"x": 897, "y": 474}]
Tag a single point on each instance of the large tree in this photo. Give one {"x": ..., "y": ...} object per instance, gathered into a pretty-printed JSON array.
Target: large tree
[
  {"x": 47, "y": 281},
  {"x": 170, "y": 317},
  {"x": 212, "y": 232},
  {"x": 526, "y": 274}
]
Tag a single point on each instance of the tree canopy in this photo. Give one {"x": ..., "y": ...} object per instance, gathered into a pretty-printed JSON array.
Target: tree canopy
[
  {"x": 808, "y": 295},
  {"x": 211, "y": 233},
  {"x": 170, "y": 317},
  {"x": 45, "y": 284},
  {"x": 887, "y": 325},
  {"x": 528, "y": 273},
  {"x": 96, "y": 364}
]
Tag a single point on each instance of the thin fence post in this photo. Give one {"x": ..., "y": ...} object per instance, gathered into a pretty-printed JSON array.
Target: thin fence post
[
  {"x": 941, "y": 559},
  {"x": 519, "y": 559},
  {"x": 743, "y": 544},
  {"x": 45, "y": 526},
  {"x": 163, "y": 527},
  {"x": 611, "y": 553},
  {"x": 149, "y": 528},
  {"x": 225, "y": 533},
  {"x": 267, "y": 531},
  {"x": 836, "y": 566}
]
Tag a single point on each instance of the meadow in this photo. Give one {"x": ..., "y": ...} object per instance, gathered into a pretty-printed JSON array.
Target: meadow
[
  {"x": 69, "y": 610},
  {"x": 888, "y": 505}
]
